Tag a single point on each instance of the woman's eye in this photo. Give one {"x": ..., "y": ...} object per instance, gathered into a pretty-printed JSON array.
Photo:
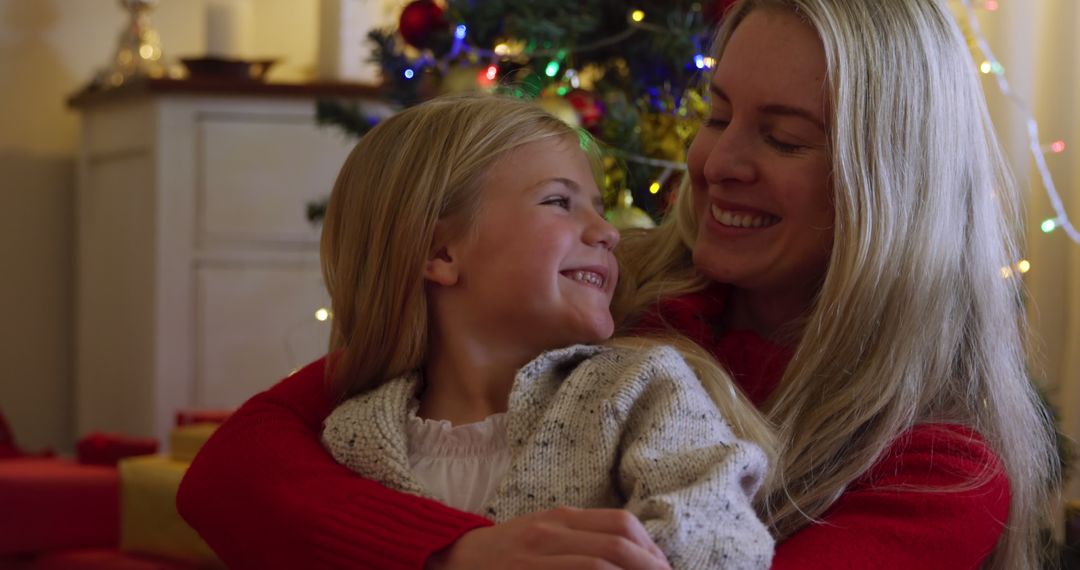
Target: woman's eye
[
  {"x": 783, "y": 146},
  {"x": 560, "y": 201},
  {"x": 716, "y": 123}
]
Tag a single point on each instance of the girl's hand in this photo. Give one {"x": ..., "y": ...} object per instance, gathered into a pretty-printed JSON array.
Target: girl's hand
[{"x": 560, "y": 538}]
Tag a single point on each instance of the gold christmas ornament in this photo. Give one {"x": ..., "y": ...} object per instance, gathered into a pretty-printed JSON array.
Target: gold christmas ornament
[
  {"x": 665, "y": 134},
  {"x": 559, "y": 107},
  {"x": 626, "y": 216},
  {"x": 461, "y": 78}
]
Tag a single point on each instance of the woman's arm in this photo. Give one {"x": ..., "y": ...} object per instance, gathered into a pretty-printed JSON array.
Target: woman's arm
[
  {"x": 873, "y": 526},
  {"x": 264, "y": 494}
]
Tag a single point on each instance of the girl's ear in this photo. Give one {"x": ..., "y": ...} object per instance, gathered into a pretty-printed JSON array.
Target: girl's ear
[{"x": 442, "y": 268}]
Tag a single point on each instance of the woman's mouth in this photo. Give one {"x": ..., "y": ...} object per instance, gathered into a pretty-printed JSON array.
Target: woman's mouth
[{"x": 742, "y": 219}]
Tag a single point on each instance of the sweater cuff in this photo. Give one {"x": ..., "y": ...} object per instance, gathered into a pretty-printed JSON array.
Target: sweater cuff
[{"x": 402, "y": 536}]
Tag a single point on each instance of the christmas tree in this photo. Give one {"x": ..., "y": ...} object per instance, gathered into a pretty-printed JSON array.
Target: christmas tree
[{"x": 624, "y": 70}]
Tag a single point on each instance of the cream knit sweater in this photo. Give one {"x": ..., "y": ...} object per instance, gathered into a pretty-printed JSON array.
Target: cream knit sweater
[{"x": 593, "y": 426}]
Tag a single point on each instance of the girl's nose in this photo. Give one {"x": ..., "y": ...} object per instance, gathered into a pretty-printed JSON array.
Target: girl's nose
[{"x": 601, "y": 233}]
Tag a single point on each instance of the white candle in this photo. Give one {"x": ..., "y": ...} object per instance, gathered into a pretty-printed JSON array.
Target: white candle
[{"x": 229, "y": 28}]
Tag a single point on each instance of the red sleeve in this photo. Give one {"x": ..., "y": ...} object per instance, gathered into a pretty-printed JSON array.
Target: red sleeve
[
  {"x": 264, "y": 494},
  {"x": 873, "y": 526}
]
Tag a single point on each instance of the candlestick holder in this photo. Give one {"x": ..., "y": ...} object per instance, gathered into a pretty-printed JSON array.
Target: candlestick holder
[{"x": 138, "y": 53}]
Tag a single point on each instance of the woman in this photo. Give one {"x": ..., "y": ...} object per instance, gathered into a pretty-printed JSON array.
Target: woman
[{"x": 840, "y": 251}]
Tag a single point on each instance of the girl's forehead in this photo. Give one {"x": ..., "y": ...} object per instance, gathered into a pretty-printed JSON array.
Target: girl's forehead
[{"x": 550, "y": 159}]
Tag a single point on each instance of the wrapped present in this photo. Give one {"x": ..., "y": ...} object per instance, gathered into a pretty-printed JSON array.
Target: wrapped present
[
  {"x": 188, "y": 417},
  {"x": 103, "y": 559},
  {"x": 185, "y": 441},
  {"x": 109, "y": 448},
  {"x": 149, "y": 523},
  {"x": 50, "y": 504}
]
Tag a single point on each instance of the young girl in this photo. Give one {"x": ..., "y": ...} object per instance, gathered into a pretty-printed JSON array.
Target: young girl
[{"x": 470, "y": 267}]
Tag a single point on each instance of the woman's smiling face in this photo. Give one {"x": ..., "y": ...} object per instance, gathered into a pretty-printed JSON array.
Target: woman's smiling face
[{"x": 760, "y": 166}]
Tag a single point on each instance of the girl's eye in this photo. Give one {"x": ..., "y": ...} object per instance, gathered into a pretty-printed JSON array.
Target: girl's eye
[
  {"x": 716, "y": 123},
  {"x": 560, "y": 201}
]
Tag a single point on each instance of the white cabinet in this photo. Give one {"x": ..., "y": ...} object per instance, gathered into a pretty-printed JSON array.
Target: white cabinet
[{"x": 197, "y": 271}]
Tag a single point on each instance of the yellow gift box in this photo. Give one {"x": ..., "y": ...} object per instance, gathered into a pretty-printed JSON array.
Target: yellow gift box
[
  {"x": 185, "y": 441},
  {"x": 149, "y": 522}
]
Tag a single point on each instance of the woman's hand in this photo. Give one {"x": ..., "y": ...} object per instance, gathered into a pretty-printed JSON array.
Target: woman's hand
[{"x": 560, "y": 538}]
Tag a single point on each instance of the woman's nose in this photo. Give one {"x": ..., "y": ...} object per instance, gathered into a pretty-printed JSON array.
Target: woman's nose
[
  {"x": 729, "y": 158},
  {"x": 601, "y": 233}
]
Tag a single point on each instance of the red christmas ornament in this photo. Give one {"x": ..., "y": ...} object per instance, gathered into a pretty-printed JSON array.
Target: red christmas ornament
[
  {"x": 419, "y": 21},
  {"x": 588, "y": 108}
]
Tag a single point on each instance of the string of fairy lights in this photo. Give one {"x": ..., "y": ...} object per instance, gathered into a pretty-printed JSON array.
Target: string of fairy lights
[
  {"x": 990, "y": 65},
  {"x": 489, "y": 75},
  {"x": 636, "y": 19}
]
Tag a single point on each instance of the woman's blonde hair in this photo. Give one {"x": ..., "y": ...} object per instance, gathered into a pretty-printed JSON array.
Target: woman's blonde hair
[
  {"x": 914, "y": 322},
  {"x": 422, "y": 168}
]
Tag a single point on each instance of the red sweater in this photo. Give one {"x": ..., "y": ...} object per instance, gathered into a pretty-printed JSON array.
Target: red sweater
[{"x": 264, "y": 493}]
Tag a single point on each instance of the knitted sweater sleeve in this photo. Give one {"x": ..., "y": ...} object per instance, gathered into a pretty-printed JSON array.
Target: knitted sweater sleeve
[
  {"x": 264, "y": 493},
  {"x": 684, "y": 473},
  {"x": 885, "y": 522}
]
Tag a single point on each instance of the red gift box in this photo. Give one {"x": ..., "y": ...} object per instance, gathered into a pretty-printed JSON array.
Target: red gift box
[
  {"x": 107, "y": 449},
  {"x": 106, "y": 559},
  {"x": 188, "y": 417},
  {"x": 52, "y": 503}
]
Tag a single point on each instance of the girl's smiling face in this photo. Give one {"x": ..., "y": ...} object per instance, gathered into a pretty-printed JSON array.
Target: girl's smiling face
[
  {"x": 536, "y": 268},
  {"x": 760, "y": 166}
]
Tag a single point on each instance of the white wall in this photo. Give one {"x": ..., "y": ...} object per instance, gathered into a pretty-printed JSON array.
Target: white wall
[{"x": 48, "y": 50}]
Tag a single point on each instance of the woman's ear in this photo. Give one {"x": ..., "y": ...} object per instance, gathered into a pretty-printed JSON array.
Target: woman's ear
[{"x": 442, "y": 268}]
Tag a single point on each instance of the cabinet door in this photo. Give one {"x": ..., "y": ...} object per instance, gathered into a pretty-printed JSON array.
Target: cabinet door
[
  {"x": 256, "y": 323},
  {"x": 257, "y": 174}
]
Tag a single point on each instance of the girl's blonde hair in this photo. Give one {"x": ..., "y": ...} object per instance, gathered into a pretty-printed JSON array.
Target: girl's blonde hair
[{"x": 914, "y": 322}]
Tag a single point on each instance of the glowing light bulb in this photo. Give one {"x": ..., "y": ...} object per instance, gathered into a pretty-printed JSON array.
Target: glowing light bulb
[
  {"x": 322, "y": 314},
  {"x": 552, "y": 68},
  {"x": 572, "y": 75},
  {"x": 1048, "y": 226},
  {"x": 710, "y": 62},
  {"x": 986, "y": 67},
  {"x": 997, "y": 68},
  {"x": 654, "y": 188},
  {"x": 459, "y": 32},
  {"x": 699, "y": 61},
  {"x": 1024, "y": 266},
  {"x": 502, "y": 49},
  {"x": 409, "y": 73},
  {"x": 1057, "y": 146},
  {"x": 637, "y": 15},
  {"x": 486, "y": 78}
]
